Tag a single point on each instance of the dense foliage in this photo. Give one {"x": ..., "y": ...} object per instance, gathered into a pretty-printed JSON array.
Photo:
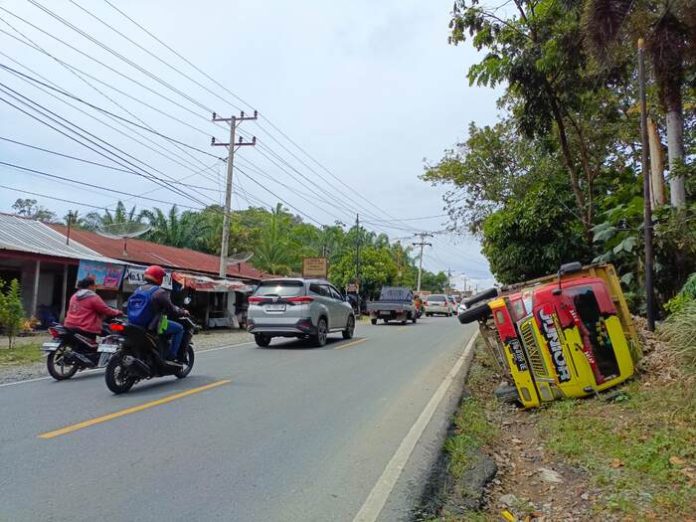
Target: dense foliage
[
  {"x": 558, "y": 178},
  {"x": 11, "y": 310}
]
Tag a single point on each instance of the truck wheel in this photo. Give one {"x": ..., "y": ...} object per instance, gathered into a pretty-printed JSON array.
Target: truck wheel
[
  {"x": 373, "y": 321},
  {"x": 476, "y": 313}
]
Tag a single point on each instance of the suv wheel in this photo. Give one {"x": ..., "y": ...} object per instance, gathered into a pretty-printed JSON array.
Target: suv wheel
[
  {"x": 322, "y": 333},
  {"x": 350, "y": 328},
  {"x": 262, "y": 340}
]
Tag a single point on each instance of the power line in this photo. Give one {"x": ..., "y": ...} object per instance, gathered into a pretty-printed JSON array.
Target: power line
[
  {"x": 46, "y": 113},
  {"x": 95, "y": 163},
  {"x": 101, "y": 109},
  {"x": 224, "y": 88}
]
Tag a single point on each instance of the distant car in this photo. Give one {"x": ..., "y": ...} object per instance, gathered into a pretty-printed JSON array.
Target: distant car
[
  {"x": 438, "y": 304},
  {"x": 295, "y": 307}
]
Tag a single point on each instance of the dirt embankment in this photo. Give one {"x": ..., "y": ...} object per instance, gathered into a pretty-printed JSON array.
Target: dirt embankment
[{"x": 626, "y": 455}]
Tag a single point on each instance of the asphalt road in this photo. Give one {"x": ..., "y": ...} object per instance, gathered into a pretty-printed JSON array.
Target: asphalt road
[{"x": 297, "y": 434}]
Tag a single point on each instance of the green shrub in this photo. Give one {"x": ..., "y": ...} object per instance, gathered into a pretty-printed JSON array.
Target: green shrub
[
  {"x": 11, "y": 310},
  {"x": 686, "y": 294},
  {"x": 679, "y": 330}
]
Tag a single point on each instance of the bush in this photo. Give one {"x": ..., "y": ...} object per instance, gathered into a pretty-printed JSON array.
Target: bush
[
  {"x": 11, "y": 310},
  {"x": 685, "y": 295},
  {"x": 679, "y": 330}
]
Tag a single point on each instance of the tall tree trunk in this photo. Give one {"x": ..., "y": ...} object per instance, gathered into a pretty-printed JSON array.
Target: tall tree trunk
[
  {"x": 675, "y": 153},
  {"x": 657, "y": 166}
]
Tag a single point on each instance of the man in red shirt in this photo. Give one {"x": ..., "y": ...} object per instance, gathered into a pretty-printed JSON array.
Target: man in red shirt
[{"x": 87, "y": 310}]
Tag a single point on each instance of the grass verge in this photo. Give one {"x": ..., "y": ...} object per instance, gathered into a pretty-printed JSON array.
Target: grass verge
[
  {"x": 19, "y": 355},
  {"x": 624, "y": 457}
]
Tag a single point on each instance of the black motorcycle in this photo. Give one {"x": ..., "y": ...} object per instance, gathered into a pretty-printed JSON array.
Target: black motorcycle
[
  {"x": 70, "y": 352},
  {"x": 141, "y": 354}
]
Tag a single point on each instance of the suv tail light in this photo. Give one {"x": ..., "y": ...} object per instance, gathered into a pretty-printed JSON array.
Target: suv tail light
[
  {"x": 256, "y": 300},
  {"x": 304, "y": 299}
]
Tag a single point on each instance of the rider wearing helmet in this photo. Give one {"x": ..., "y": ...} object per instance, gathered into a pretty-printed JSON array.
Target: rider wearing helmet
[{"x": 150, "y": 303}]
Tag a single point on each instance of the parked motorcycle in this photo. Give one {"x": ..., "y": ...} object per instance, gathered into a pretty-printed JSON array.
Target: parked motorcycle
[
  {"x": 70, "y": 352},
  {"x": 139, "y": 354}
]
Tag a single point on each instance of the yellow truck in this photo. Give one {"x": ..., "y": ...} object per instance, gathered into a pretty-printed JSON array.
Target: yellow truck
[{"x": 563, "y": 335}]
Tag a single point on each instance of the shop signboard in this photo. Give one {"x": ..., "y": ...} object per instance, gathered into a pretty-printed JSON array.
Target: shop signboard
[
  {"x": 135, "y": 277},
  {"x": 106, "y": 275},
  {"x": 316, "y": 267}
]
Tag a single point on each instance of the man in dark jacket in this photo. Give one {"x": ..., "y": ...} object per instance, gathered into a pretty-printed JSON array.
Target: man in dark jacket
[{"x": 156, "y": 304}]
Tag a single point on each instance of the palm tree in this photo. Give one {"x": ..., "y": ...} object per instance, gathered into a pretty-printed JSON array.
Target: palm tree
[
  {"x": 120, "y": 216},
  {"x": 669, "y": 29},
  {"x": 274, "y": 251},
  {"x": 184, "y": 230}
]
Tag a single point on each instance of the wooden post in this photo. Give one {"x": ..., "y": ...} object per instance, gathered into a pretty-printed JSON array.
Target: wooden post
[
  {"x": 35, "y": 293},
  {"x": 64, "y": 294}
]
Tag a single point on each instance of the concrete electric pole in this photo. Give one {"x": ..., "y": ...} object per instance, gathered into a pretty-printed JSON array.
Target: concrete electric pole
[
  {"x": 422, "y": 244},
  {"x": 232, "y": 147}
]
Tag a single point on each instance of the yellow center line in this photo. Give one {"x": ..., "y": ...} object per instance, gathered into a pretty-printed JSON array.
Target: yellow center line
[
  {"x": 353, "y": 343},
  {"x": 128, "y": 411}
]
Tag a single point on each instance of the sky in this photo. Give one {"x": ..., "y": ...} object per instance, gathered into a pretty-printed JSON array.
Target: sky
[{"x": 368, "y": 90}]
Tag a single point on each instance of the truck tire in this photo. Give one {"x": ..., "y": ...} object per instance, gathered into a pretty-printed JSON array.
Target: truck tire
[
  {"x": 373, "y": 321},
  {"x": 414, "y": 318},
  {"x": 262, "y": 341},
  {"x": 486, "y": 295},
  {"x": 477, "y": 313}
]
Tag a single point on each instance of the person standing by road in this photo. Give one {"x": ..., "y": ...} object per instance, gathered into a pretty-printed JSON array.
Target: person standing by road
[{"x": 87, "y": 310}]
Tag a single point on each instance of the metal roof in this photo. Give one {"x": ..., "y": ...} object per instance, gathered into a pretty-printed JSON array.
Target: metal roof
[
  {"x": 140, "y": 252},
  {"x": 26, "y": 235}
]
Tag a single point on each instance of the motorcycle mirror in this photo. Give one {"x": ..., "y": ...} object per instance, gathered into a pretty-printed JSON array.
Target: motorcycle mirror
[{"x": 187, "y": 300}]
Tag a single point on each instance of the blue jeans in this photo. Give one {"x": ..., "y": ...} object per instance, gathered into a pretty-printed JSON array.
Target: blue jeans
[{"x": 176, "y": 331}]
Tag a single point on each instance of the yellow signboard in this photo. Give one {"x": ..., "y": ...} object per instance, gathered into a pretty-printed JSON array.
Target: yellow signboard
[{"x": 315, "y": 267}]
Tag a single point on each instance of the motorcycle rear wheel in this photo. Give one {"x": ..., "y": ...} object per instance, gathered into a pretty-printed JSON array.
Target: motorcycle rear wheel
[
  {"x": 57, "y": 367},
  {"x": 188, "y": 364},
  {"x": 117, "y": 378}
]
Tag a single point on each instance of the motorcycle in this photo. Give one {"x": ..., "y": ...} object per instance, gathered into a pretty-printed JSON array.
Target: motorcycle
[
  {"x": 70, "y": 352},
  {"x": 139, "y": 354}
]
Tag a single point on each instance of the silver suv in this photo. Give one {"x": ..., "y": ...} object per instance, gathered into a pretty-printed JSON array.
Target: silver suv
[{"x": 303, "y": 308}]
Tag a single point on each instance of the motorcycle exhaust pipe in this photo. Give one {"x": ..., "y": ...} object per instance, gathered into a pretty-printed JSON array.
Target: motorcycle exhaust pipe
[{"x": 137, "y": 366}]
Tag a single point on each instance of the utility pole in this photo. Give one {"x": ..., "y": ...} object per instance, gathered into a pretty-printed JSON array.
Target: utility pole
[
  {"x": 422, "y": 244},
  {"x": 232, "y": 147},
  {"x": 70, "y": 222},
  {"x": 357, "y": 250},
  {"x": 647, "y": 212}
]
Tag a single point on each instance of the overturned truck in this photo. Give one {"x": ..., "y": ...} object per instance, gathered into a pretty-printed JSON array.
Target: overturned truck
[{"x": 563, "y": 335}]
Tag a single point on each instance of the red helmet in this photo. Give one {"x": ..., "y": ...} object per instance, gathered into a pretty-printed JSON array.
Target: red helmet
[{"x": 155, "y": 274}]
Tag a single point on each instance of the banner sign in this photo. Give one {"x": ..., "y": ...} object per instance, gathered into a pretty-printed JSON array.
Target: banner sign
[
  {"x": 107, "y": 275},
  {"x": 135, "y": 277},
  {"x": 315, "y": 267}
]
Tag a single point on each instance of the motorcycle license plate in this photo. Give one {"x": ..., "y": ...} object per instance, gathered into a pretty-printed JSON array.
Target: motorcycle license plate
[
  {"x": 50, "y": 347},
  {"x": 108, "y": 348},
  {"x": 275, "y": 308}
]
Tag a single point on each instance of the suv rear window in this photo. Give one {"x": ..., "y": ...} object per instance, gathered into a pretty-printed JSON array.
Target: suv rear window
[
  {"x": 280, "y": 288},
  {"x": 437, "y": 298}
]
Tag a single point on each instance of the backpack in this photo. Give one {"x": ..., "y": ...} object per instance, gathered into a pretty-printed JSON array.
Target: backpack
[{"x": 140, "y": 309}]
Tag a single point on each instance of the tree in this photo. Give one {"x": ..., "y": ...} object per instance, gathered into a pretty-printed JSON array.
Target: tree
[
  {"x": 532, "y": 236},
  {"x": 551, "y": 93},
  {"x": 669, "y": 29},
  {"x": 377, "y": 269},
  {"x": 11, "y": 310},
  {"x": 183, "y": 230},
  {"x": 120, "y": 216},
  {"x": 274, "y": 253},
  {"x": 30, "y": 209}
]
